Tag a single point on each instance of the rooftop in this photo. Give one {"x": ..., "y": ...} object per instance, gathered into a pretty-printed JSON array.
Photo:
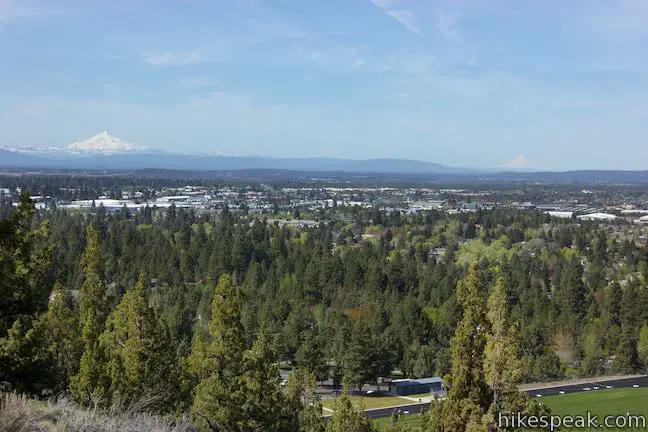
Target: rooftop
[{"x": 417, "y": 381}]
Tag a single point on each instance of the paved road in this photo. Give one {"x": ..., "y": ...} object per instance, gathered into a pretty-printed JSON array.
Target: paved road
[
  {"x": 413, "y": 409},
  {"x": 376, "y": 413},
  {"x": 641, "y": 381},
  {"x": 595, "y": 385}
]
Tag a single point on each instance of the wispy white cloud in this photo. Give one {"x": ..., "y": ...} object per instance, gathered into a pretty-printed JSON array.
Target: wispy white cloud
[
  {"x": 10, "y": 10},
  {"x": 407, "y": 18},
  {"x": 447, "y": 28},
  {"x": 174, "y": 58},
  {"x": 403, "y": 15},
  {"x": 17, "y": 10}
]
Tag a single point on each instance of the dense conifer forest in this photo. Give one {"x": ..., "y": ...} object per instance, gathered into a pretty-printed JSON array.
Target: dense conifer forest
[{"x": 198, "y": 311}]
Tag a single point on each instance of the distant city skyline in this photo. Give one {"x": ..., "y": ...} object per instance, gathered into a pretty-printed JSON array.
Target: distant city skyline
[{"x": 484, "y": 83}]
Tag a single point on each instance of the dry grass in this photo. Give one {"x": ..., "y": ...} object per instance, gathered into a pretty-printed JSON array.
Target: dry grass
[{"x": 22, "y": 414}]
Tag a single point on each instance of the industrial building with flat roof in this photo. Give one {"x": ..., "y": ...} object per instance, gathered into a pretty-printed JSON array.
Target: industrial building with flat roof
[{"x": 404, "y": 387}]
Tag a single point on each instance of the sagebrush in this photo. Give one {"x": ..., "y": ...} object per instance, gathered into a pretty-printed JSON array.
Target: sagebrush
[{"x": 19, "y": 413}]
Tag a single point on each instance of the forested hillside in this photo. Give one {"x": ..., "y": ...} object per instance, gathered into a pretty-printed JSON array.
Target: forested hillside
[{"x": 200, "y": 310}]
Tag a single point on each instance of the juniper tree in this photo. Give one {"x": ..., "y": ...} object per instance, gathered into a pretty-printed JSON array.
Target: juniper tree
[
  {"x": 302, "y": 399},
  {"x": 346, "y": 417},
  {"x": 217, "y": 362},
  {"x": 502, "y": 367},
  {"x": 91, "y": 382},
  {"x": 62, "y": 336},
  {"x": 265, "y": 406},
  {"x": 25, "y": 260},
  {"x": 468, "y": 395},
  {"x": 139, "y": 352}
]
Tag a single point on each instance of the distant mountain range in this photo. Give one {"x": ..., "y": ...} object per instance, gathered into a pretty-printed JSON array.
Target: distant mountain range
[{"x": 106, "y": 152}]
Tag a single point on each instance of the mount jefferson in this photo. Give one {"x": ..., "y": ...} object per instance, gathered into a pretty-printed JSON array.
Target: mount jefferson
[{"x": 106, "y": 152}]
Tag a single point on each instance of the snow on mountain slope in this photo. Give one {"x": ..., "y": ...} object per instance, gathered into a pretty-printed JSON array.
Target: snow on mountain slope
[
  {"x": 218, "y": 153},
  {"x": 104, "y": 143},
  {"x": 98, "y": 145},
  {"x": 518, "y": 163}
]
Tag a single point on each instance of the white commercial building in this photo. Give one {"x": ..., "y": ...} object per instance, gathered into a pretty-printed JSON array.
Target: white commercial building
[
  {"x": 597, "y": 216},
  {"x": 561, "y": 214}
]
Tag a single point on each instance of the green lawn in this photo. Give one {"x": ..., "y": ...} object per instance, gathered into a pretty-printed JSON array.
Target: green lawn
[
  {"x": 370, "y": 401},
  {"x": 407, "y": 422},
  {"x": 600, "y": 403},
  {"x": 419, "y": 395}
]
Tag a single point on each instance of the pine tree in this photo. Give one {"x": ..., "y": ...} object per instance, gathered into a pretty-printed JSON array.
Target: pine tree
[
  {"x": 25, "y": 260},
  {"x": 573, "y": 296},
  {"x": 612, "y": 314},
  {"x": 24, "y": 362},
  {"x": 311, "y": 355},
  {"x": 138, "y": 349},
  {"x": 643, "y": 346},
  {"x": 359, "y": 356},
  {"x": 265, "y": 405},
  {"x": 90, "y": 384},
  {"x": 627, "y": 353},
  {"x": 502, "y": 367},
  {"x": 468, "y": 396},
  {"x": 217, "y": 363},
  {"x": 346, "y": 417},
  {"x": 62, "y": 336},
  {"x": 302, "y": 398}
]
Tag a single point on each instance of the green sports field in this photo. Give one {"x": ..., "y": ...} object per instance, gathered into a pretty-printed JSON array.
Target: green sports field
[
  {"x": 600, "y": 403},
  {"x": 616, "y": 402},
  {"x": 369, "y": 402}
]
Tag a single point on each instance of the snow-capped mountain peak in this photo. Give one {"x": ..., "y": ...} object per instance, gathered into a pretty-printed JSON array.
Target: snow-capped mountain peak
[
  {"x": 104, "y": 143},
  {"x": 520, "y": 162}
]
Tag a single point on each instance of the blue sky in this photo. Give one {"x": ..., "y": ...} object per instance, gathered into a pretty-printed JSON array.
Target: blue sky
[{"x": 458, "y": 82}]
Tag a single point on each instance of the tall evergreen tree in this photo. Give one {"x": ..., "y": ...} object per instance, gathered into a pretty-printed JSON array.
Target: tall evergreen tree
[
  {"x": 62, "y": 336},
  {"x": 573, "y": 296},
  {"x": 627, "y": 353},
  {"x": 502, "y": 367},
  {"x": 140, "y": 356},
  {"x": 91, "y": 384},
  {"x": 265, "y": 406},
  {"x": 311, "y": 355},
  {"x": 302, "y": 398},
  {"x": 25, "y": 260},
  {"x": 217, "y": 362},
  {"x": 643, "y": 346},
  {"x": 346, "y": 417},
  {"x": 468, "y": 395}
]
